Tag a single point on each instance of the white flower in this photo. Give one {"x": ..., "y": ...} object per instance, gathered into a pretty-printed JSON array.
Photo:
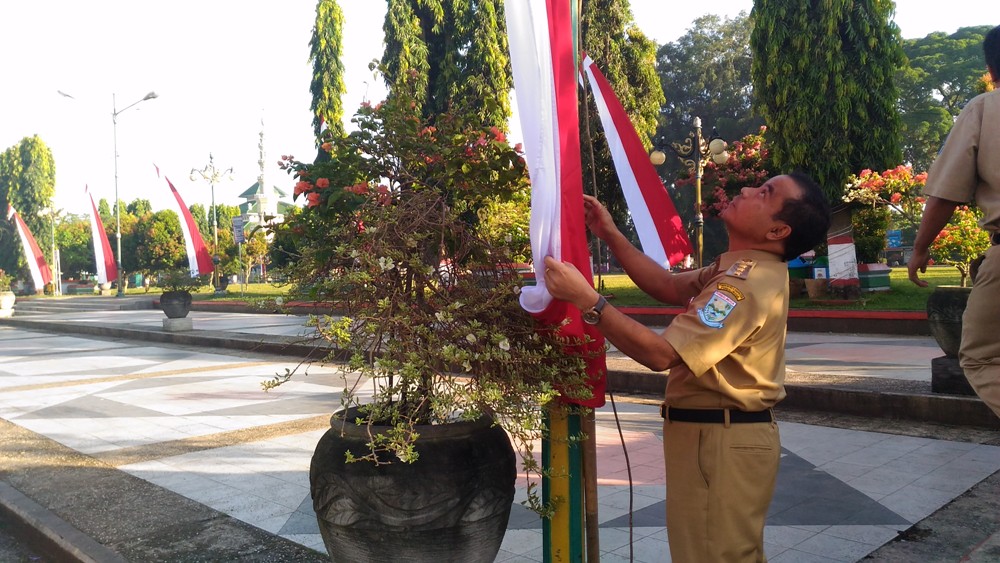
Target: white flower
[
  {"x": 279, "y": 300},
  {"x": 386, "y": 263},
  {"x": 504, "y": 345}
]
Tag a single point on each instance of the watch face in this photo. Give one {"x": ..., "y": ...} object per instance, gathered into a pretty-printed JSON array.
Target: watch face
[{"x": 591, "y": 317}]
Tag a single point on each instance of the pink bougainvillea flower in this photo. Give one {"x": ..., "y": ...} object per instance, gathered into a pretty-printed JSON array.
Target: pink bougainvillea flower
[
  {"x": 313, "y": 199},
  {"x": 322, "y": 183},
  {"x": 302, "y": 187}
]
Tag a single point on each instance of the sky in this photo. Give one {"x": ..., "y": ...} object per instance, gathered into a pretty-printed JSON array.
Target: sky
[{"x": 223, "y": 71}]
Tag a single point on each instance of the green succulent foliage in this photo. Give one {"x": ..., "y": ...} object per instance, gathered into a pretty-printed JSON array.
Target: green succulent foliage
[
  {"x": 823, "y": 81},
  {"x": 325, "y": 54}
]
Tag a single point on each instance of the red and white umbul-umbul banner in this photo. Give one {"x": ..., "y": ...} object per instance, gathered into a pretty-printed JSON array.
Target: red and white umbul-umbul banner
[
  {"x": 104, "y": 260},
  {"x": 542, "y": 54},
  {"x": 40, "y": 273},
  {"x": 660, "y": 229},
  {"x": 199, "y": 260}
]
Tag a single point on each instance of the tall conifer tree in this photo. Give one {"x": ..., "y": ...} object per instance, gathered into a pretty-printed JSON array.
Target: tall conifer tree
[
  {"x": 457, "y": 51},
  {"x": 325, "y": 52},
  {"x": 823, "y": 81}
]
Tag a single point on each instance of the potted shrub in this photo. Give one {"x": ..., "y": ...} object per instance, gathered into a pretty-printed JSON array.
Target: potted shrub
[
  {"x": 394, "y": 239},
  {"x": 177, "y": 286},
  {"x": 7, "y": 297}
]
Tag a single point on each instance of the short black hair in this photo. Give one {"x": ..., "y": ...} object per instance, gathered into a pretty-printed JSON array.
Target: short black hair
[
  {"x": 807, "y": 215},
  {"x": 991, "y": 48}
]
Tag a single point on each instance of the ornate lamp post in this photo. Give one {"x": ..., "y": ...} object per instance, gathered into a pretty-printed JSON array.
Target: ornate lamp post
[
  {"x": 118, "y": 219},
  {"x": 213, "y": 175},
  {"x": 695, "y": 152}
]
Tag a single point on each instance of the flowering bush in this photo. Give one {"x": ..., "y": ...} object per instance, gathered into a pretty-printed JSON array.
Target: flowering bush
[
  {"x": 961, "y": 241},
  {"x": 5, "y": 280},
  {"x": 395, "y": 237},
  {"x": 898, "y": 189},
  {"x": 748, "y": 166}
]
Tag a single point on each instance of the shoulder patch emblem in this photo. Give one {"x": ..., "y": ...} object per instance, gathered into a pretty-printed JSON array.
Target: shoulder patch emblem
[
  {"x": 741, "y": 269},
  {"x": 732, "y": 290},
  {"x": 716, "y": 310}
]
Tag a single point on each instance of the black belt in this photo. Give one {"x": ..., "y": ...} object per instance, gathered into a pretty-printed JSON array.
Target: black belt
[
  {"x": 995, "y": 239},
  {"x": 717, "y": 416}
]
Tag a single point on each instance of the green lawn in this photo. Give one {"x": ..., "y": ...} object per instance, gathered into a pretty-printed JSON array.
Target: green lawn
[{"x": 903, "y": 295}]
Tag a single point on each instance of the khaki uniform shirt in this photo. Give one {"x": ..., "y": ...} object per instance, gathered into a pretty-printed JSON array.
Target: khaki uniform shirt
[
  {"x": 968, "y": 166},
  {"x": 732, "y": 336}
]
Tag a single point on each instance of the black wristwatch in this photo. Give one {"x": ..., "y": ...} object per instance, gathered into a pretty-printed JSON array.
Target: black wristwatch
[{"x": 592, "y": 316}]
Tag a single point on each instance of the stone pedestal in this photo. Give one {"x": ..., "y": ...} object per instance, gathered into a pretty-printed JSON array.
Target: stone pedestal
[
  {"x": 947, "y": 377},
  {"x": 177, "y": 325}
]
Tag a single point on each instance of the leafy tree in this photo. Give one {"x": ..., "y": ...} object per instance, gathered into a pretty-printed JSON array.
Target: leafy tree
[
  {"x": 203, "y": 219},
  {"x": 76, "y": 252},
  {"x": 626, "y": 57},
  {"x": 449, "y": 53},
  {"x": 139, "y": 207},
  {"x": 961, "y": 241},
  {"x": 706, "y": 74},
  {"x": 132, "y": 243},
  {"x": 159, "y": 242},
  {"x": 940, "y": 77},
  {"x": 254, "y": 253},
  {"x": 104, "y": 210},
  {"x": 325, "y": 51},
  {"x": 27, "y": 181},
  {"x": 951, "y": 64},
  {"x": 823, "y": 81}
]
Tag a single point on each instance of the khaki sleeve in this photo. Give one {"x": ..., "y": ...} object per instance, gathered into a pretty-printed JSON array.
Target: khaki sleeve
[
  {"x": 715, "y": 325},
  {"x": 953, "y": 174}
]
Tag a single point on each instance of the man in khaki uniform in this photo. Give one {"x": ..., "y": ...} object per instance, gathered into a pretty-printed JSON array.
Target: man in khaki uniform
[
  {"x": 968, "y": 168},
  {"x": 726, "y": 356}
]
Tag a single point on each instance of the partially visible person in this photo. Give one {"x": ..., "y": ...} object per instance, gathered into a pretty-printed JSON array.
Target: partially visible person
[
  {"x": 967, "y": 169},
  {"x": 726, "y": 356}
]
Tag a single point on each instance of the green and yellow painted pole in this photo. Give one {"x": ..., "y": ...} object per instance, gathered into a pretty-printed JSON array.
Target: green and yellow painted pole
[{"x": 563, "y": 540}]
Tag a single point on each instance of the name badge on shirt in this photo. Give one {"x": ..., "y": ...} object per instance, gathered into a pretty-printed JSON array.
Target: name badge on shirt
[{"x": 716, "y": 310}]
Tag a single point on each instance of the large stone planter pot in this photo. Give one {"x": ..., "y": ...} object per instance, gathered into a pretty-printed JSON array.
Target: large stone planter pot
[
  {"x": 175, "y": 304},
  {"x": 945, "y": 307},
  {"x": 451, "y": 505},
  {"x": 7, "y": 299}
]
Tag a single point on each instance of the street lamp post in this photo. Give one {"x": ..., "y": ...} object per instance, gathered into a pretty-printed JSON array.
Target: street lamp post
[
  {"x": 213, "y": 175},
  {"x": 57, "y": 282},
  {"x": 118, "y": 219},
  {"x": 695, "y": 152}
]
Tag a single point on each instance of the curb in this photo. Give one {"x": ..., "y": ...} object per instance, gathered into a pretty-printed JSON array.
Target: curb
[{"x": 50, "y": 534}]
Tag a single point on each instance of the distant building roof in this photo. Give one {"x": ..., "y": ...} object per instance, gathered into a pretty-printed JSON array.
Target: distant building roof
[{"x": 256, "y": 189}]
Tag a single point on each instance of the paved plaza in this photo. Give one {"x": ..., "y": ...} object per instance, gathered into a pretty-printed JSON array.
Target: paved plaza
[{"x": 195, "y": 422}]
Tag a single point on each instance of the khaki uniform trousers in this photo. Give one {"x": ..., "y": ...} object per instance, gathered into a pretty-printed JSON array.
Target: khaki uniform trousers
[
  {"x": 979, "y": 354},
  {"x": 720, "y": 480}
]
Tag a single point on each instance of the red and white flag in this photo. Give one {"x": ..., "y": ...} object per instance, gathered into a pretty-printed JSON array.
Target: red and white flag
[
  {"x": 541, "y": 35},
  {"x": 40, "y": 273},
  {"x": 199, "y": 260},
  {"x": 103, "y": 258},
  {"x": 660, "y": 229}
]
